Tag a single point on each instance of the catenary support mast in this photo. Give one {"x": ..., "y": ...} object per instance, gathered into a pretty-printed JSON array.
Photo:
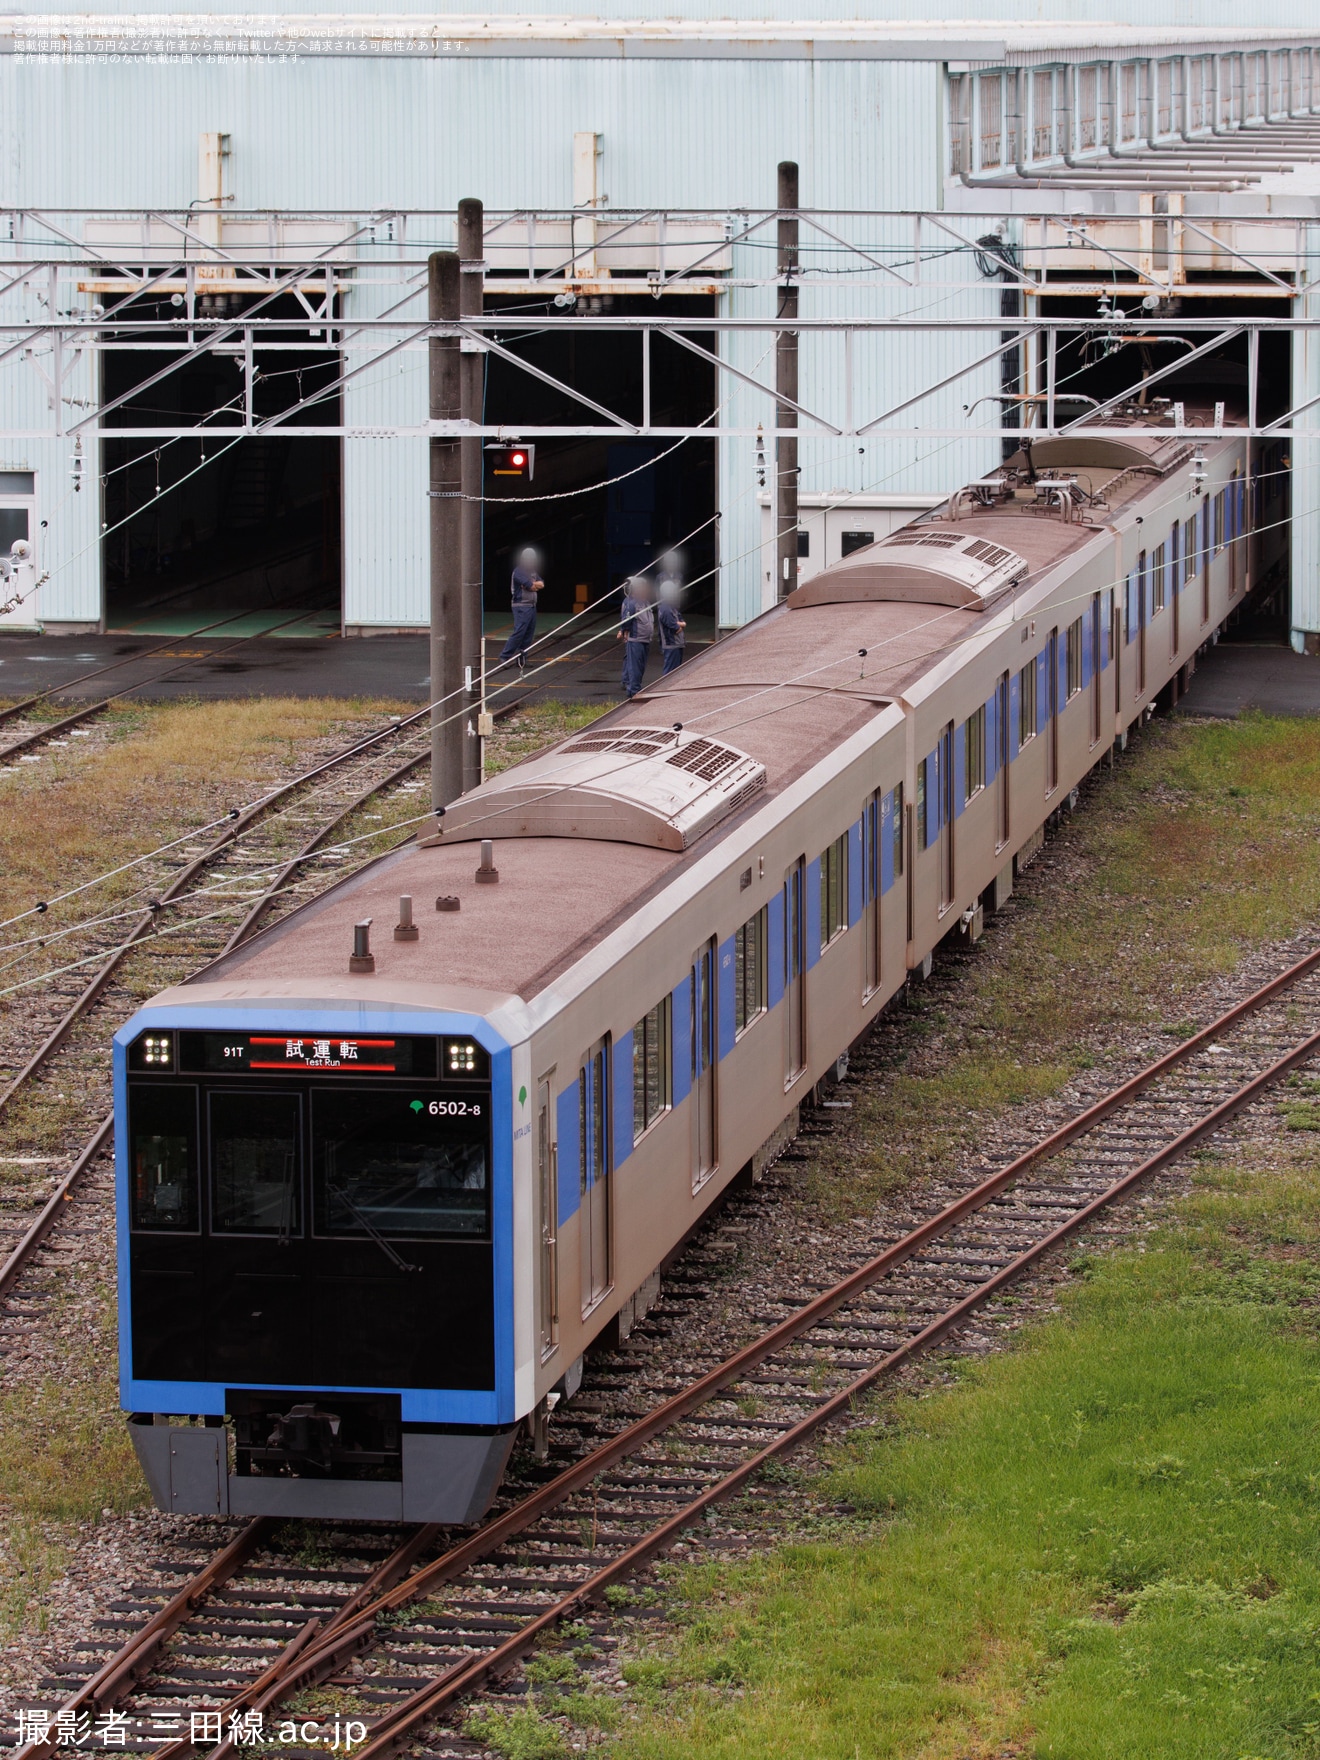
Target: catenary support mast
[
  {"x": 786, "y": 386},
  {"x": 448, "y": 724},
  {"x": 472, "y": 369}
]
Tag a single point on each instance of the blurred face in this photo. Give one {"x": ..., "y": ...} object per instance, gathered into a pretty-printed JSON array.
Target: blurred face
[{"x": 530, "y": 560}]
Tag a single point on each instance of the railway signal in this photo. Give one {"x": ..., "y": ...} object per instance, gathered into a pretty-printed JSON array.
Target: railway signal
[{"x": 512, "y": 461}]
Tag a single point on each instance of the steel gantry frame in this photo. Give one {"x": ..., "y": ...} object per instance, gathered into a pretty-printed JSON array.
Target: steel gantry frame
[{"x": 223, "y": 274}]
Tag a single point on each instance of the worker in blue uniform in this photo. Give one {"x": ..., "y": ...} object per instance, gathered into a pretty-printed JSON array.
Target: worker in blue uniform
[
  {"x": 672, "y": 625},
  {"x": 523, "y": 588},
  {"x": 636, "y": 628}
]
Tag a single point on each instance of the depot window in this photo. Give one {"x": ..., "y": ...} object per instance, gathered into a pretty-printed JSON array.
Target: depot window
[{"x": 652, "y": 1091}]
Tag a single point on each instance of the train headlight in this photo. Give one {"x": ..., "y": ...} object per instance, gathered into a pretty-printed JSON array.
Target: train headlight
[
  {"x": 157, "y": 1051},
  {"x": 462, "y": 1058}
]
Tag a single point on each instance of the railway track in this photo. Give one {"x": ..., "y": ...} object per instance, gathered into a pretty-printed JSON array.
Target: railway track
[
  {"x": 26, "y": 731},
  {"x": 401, "y": 1628},
  {"x": 275, "y": 839},
  {"x": 287, "y": 839}
]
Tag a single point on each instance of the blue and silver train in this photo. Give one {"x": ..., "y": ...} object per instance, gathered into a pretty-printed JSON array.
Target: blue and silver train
[{"x": 374, "y": 1205}]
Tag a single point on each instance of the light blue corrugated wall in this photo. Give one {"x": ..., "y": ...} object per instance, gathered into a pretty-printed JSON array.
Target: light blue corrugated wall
[
  {"x": 1243, "y": 13},
  {"x": 413, "y": 133},
  {"x": 66, "y": 544},
  {"x": 1305, "y": 480}
]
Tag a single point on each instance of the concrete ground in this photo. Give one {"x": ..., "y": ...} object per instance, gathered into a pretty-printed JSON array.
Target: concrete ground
[
  {"x": 1234, "y": 676},
  {"x": 581, "y": 663},
  {"x": 1229, "y": 678}
]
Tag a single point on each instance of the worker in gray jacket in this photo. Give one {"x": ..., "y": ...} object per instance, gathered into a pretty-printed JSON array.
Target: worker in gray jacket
[
  {"x": 636, "y": 627},
  {"x": 672, "y": 626}
]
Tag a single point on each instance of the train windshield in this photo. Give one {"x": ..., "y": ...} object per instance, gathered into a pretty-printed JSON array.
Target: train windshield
[
  {"x": 392, "y": 1165},
  {"x": 254, "y": 1163},
  {"x": 163, "y": 1152}
]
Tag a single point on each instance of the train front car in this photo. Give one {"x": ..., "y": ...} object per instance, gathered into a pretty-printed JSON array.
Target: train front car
[{"x": 315, "y": 1258}]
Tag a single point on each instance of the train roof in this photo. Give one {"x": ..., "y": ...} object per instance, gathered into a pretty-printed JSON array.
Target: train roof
[{"x": 780, "y": 695}]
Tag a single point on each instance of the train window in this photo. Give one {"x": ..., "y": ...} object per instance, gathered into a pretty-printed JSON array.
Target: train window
[
  {"x": 924, "y": 829},
  {"x": 652, "y": 1091},
  {"x": 1074, "y": 656},
  {"x": 749, "y": 971},
  {"x": 1190, "y": 562},
  {"x": 163, "y": 1152},
  {"x": 833, "y": 890},
  {"x": 388, "y": 1164},
  {"x": 974, "y": 754},
  {"x": 1218, "y": 506},
  {"x": 1157, "y": 586},
  {"x": 255, "y": 1156},
  {"x": 1027, "y": 703},
  {"x": 898, "y": 834}
]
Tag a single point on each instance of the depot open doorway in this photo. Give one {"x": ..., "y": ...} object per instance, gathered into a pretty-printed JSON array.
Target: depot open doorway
[
  {"x": 1090, "y": 369},
  {"x": 624, "y": 502},
  {"x": 203, "y": 529}
]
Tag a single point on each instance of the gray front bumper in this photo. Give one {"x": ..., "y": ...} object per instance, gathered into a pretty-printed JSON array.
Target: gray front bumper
[{"x": 448, "y": 1476}]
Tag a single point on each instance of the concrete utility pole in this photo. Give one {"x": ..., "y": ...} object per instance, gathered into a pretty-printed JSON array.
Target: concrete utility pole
[
  {"x": 471, "y": 300},
  {"x": 448, "y": 721},
  {"x": 786, "y": 385}
]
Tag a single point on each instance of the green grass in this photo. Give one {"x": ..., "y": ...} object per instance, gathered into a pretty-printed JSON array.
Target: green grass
[
  {"x": 1199, "y": 846},
  {"x": 1100, "y": 1546}
]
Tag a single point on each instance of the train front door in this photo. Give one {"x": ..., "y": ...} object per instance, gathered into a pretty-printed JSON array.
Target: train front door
[
  {"x": 704, "y": 1046},
  {"x": 594, "y": 1173}
]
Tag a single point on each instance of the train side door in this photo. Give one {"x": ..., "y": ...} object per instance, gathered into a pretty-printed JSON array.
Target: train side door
[
  {"x": 547, "y": 1183},
  {"x": 594, "y": 1172},
  {"x": 944, "y": 782},
  {"x": 1142, "y": 590},
  {"x": 1097, "y": 654},
  {"x": 871, "y": 882},
  {"x": 704, "y": 1050},
  {"x": 795, "y": 947},
  {"x": 1052, "y": 712},
  {"x": 1175, "y": 587},
  {"x": 1203, "y": 556},
  {"x": 1003, "y": 737}
]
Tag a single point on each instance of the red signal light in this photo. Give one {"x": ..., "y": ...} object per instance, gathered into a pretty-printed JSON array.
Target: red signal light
[{"x": 512, "y": 461}]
